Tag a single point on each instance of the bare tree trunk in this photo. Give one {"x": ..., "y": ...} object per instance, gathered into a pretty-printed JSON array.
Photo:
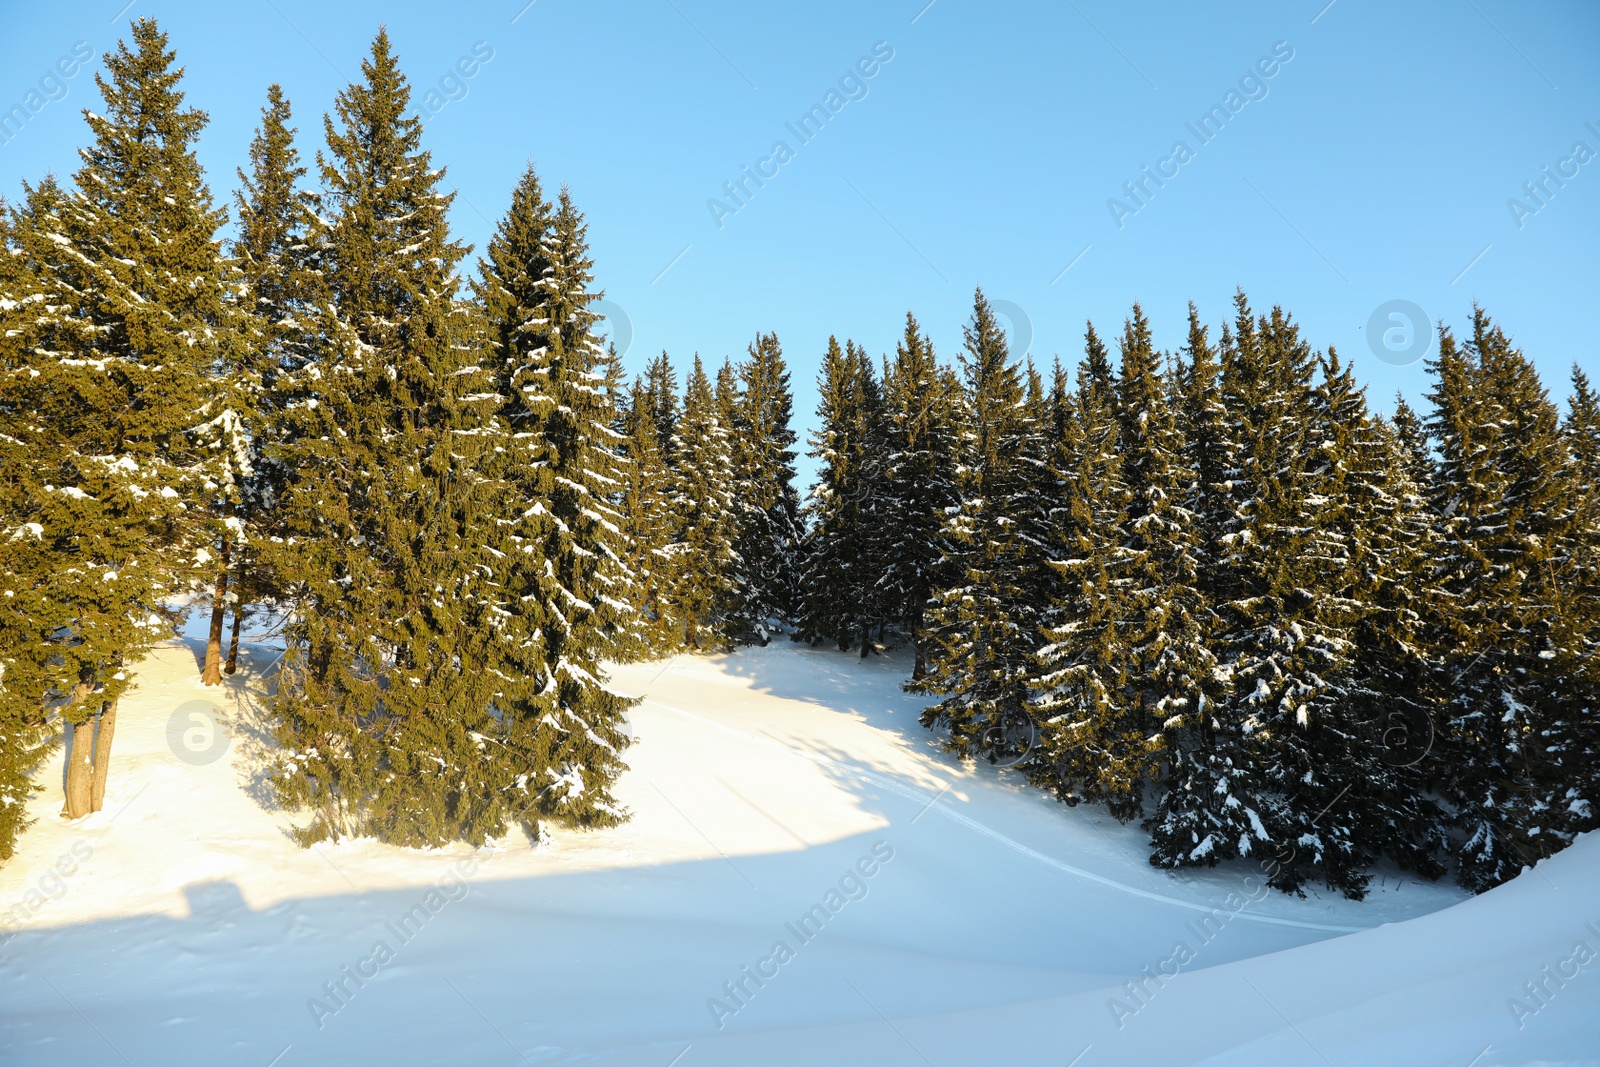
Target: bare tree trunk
[
  {"x": 919, "y": 667},
  {"x": 212, "y": 674},
  {"x": 80, "y": 771},
  {"x": 102, "y": 755},
  {"x": 233, "y": 645}
]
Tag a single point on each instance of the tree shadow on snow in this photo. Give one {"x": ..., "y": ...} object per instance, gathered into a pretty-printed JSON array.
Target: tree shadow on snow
[{"x": 562, "y": 967}]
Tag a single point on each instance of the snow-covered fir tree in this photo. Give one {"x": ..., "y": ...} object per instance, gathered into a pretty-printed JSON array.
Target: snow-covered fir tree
[
  {"x": 1161, "y": 620},
  {"x": 1282, "y": 638},
  {"x": 659, "y": 385},
  {"x": 1089, "y": 747},
  {"x": 387, "y": 727},
  {"x": 1196, "y": 809},
  {"x": 984, "y": 628},
  {"x": 770, "y": 530},
  {"x": 839, "y": 598},
  {"x": 278, "y": 287},
  {"x": 1518, "y": 694},
  {"x": 31, "y": 561},
  {"x": 562, "y": 597},
  {"x": 647, "y": 523},
  {"x": 920, "y": 454},
  {"x": 703, "y": 558},
  {"x": 1390, "y": 701},
  {"x": 128, "y": 318}
]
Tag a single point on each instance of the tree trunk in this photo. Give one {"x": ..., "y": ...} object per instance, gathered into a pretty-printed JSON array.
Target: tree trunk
[
  {"x": 212, "y": 674},
  {"x": 866, "y": 638},
  {"x": 102, "y": 755},
  {"x": 919, "y": 643},
  {"x": 233, "y": 645},
  {"x": 80, "y": 771}
]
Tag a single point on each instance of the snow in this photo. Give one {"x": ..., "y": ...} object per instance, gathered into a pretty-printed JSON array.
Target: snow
[{"x": 927, "y": 913}]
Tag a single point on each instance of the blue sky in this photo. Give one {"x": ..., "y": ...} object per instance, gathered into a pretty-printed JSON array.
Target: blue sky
[{"x": 1373, "y": 165}]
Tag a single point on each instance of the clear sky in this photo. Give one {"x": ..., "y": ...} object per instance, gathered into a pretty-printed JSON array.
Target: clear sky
[{"x": 1367, "y": 156}]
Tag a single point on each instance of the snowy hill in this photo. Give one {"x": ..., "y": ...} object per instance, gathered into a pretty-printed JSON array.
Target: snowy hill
[{"x": 805, "y": 880}]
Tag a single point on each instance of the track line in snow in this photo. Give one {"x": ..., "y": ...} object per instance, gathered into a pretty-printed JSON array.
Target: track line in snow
[{"x": 770, "y": 742}]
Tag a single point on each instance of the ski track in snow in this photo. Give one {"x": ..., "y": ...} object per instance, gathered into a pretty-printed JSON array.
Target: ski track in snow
[{"x": 993, "y": 834}]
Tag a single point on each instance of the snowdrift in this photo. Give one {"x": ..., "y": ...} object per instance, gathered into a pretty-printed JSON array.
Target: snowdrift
[{"x": 805, "y": 880}]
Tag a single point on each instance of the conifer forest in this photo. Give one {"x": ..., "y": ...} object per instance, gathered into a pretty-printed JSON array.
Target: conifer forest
[{"x": 1203, "y": 584}]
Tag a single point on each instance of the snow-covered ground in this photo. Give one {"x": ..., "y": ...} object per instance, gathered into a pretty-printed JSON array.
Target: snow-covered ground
[{"x": 805, "y": 880}]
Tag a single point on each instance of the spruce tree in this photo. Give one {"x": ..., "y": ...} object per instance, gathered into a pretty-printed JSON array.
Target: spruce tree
[
  {"x": 660, "y": 388},
  {"x": 1579, "y": 743},
  {"x": 31, "y": 557},
  {"x": 1411, "y": 437},
  {"x": 132, "y": 318},
  {"x": 985, "y": 628},
  {"x": 1519, "y": 690},
  {"x": 1391, "y": 699},
  {"x": 1161, "y": 621},
  {"x": 1369, "y": 726},
  {"x": 647, "y": 523},
  {"x": 1284, "y": 634},
  {"x": 920, "y": 452},
  {"x": 1090, "y": 748},
  {"x": 770, "y": 531},
  {"x": 387, "y": 718},
  {"x": 278, "y": 289},
  {"x": 704, "y": 563},
  {"x": 839, "y": 600},
  {"x": 1194, "y": 822},
  {"x": 562, "y": 595}
]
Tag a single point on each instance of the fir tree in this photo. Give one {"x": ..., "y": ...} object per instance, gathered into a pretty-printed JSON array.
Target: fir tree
[
  {"x": 1090, "y": 748},
  {"x": 561, "y": 590},
  {"x": 385, "y": 716},
  {"x": 1391, "y": 699},
  {"x": 1193, "y": 822},
  {"x": 704, "y": 563},
  {"x": 278, "y": 288},
  {"x": 1369, "y": 726},
  {"x": 921, "y": 447},
  {"x": 1411, "y": 437},
  {"x": 840, "y": 580},
  {"x": 1519, "y": 693},
  {"x": 1283, "y": 640},
  {"x": 31, "y": 555},
  {"x": 646, "y": 523},
  {"x": 660, "y": 389},
  {"x": 985, "y": 628},
  {"x": 133, "y": 318},
  {"x": 1579, "y": 743},
  {"x": 770, "y": 531},
  {"x": 1161, "y": 621}
]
